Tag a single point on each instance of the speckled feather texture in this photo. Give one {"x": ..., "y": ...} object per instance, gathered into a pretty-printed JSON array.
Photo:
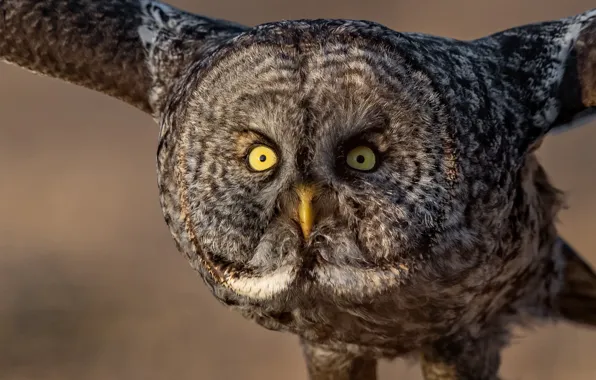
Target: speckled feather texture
[{"x": 438, "y": 252}]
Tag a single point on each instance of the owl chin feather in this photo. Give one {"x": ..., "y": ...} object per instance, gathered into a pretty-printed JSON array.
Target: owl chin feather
[
  {"x": 339, "y": 281},
  {"x": 306, "y": 271},
  {"x": 259, "y": 288}
]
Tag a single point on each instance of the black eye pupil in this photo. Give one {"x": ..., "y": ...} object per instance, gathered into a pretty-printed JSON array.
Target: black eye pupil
[
  {"x": 360, "y": 159},
  {"x": 263, "y": 158}
]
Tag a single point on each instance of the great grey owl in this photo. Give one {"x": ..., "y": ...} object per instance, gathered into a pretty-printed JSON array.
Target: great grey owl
[{"x": 374, "y": 192}]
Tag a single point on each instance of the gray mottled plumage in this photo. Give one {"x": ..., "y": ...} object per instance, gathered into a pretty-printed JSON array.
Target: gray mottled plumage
[{"x": 440, "y": 250}]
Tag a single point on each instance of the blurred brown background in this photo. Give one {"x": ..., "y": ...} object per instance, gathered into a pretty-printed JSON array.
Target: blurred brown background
[{"x": 91, "y": 286}]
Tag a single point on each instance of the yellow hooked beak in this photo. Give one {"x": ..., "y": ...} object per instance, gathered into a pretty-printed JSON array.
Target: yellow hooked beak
[{"x": 306, "y": 213}]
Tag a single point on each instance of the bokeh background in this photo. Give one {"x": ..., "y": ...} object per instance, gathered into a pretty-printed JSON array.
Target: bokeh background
[{"x": 91, "y": 285}]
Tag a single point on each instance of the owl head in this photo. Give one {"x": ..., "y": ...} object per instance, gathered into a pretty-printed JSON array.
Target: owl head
[{"x": 308, "y": 154}]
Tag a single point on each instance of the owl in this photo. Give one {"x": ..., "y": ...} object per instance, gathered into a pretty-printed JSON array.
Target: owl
[{"x": 375, "y": 193}]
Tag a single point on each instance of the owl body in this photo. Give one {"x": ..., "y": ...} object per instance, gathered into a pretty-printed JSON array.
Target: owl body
[
  {"x": 427, "y": 245},
  {"x": 375, "y": 193}
]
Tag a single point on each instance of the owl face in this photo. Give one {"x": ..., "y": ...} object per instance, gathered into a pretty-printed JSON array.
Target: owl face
[{"x": 296, "y": 167}]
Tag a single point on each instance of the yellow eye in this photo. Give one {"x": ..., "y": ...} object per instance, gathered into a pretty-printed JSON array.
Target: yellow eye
[
  {"x": 361, "y": 158},
  {"x": 261, "y": 158}
]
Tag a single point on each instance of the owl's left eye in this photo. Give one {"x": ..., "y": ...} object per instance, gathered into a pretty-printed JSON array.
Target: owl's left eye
[
  {"x": 261, "y": 158},
  {"x": 362, "y": 158}
]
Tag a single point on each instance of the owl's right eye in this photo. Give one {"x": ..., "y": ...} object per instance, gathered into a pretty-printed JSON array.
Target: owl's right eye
[{"x": 261, "y": 158}]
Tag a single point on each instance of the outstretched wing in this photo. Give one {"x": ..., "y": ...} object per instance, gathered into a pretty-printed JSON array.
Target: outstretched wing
[
  {"x": 129, "y": 49},
  {"x": 549, "y": 70}
]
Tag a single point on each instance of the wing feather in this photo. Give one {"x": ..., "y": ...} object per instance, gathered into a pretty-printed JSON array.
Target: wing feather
[{"x": 112, "y": 46}]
